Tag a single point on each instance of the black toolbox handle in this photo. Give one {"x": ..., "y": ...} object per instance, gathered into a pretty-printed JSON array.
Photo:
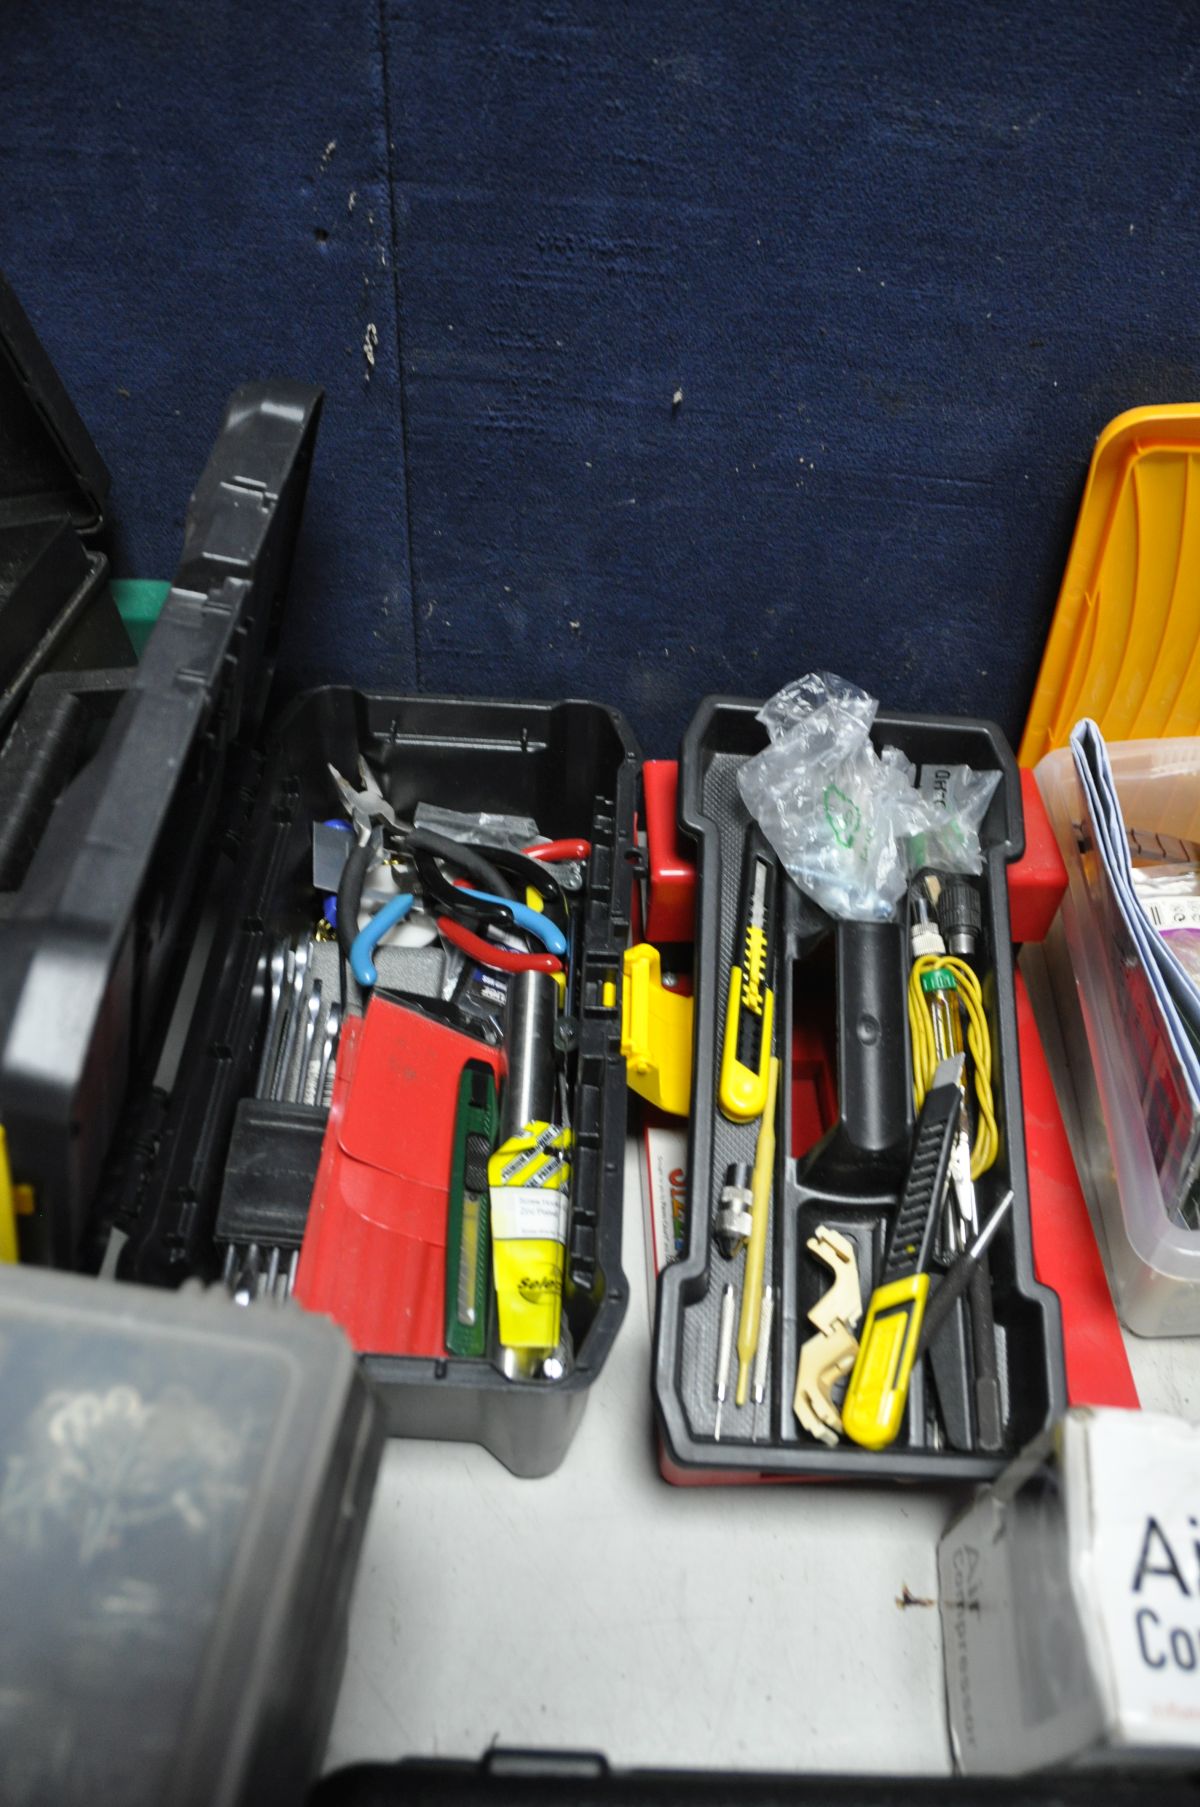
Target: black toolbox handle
[{"x": 873, "y": 1067}]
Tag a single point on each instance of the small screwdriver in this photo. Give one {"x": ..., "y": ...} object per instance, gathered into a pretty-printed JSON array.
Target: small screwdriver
[
  {"x": 724, "y": 1351},
  {"x": 756, "y": 1248},
  {"x": 960, "y": 1276},
  {"x": 762, "y": 1355}
]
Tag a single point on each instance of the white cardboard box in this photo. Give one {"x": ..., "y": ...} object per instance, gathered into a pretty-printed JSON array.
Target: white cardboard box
[{"x": 1070, "y": 1600}]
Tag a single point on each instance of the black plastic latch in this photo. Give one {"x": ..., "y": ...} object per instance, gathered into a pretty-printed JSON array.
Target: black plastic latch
[
  {"x": 49, "y": 466},
  {"x": 533, "y": 1766}
]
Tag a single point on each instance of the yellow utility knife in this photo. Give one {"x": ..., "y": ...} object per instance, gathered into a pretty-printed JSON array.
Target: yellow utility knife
[
  {"x": 873, "y": 1409},
  {"x": 750, "y": 1011}
]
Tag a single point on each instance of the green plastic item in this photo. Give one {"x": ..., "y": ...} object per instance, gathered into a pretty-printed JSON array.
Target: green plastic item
[
  {"x": 468, "y": 1239},
  {"x": 139, "y": 603}
]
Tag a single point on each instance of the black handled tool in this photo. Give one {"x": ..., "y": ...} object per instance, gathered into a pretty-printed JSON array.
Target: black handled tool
[{"x": 961, "y": 1276}]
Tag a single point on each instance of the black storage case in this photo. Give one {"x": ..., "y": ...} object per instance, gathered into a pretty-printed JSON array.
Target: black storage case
[
  {"x": 850, "y": 1181},
  {"x": 184, "y": 839},
  {"x": 55, "y": 611}
]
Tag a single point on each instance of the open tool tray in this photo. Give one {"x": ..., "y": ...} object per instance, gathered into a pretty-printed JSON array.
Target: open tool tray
[
  {"x": 572, "y": 767},
  {"x": 840, "y": 1006}
]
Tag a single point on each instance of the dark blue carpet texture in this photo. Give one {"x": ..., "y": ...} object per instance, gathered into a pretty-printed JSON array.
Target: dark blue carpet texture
[{"x": 669, "y": 348}]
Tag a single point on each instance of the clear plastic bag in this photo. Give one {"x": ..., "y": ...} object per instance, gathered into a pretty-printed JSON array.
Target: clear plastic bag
[
  {"x": 848, "y": 823},
  {"x": 949, "y": 841},
  {"x": 1170, "y": 896}
]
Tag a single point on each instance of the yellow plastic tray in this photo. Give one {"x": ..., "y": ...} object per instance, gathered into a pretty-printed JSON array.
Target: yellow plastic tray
[{"x": 1124, "y": 646}]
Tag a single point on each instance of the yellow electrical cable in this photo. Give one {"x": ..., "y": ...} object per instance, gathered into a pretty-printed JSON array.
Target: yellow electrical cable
[{"x": 979, "y": 1041}]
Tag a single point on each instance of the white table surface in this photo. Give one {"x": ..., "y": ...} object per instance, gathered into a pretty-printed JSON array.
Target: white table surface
[{"x": 601, "y": 1609}]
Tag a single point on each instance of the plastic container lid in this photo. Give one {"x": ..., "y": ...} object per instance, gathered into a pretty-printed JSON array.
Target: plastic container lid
[
  {"x": 1123, "y": 647},
  {"x": 179, "y": 1480}
]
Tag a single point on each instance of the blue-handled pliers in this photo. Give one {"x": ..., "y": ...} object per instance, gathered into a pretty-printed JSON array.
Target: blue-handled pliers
[
  {"x": 367, "y": 940},
  {"x": 533, "y": 922},
  {"x": 362, "y": 965}
]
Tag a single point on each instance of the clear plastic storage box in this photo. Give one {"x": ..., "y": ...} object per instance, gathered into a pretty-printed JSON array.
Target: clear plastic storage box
[
  {"x": 183, "y": 1493},
  {"x": 1108, "y": 1081}
]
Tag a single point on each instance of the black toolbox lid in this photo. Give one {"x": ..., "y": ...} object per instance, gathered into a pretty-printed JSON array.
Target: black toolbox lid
[
  {"x": 91, "y": 931},
  {"x": 48, "y": 463}
]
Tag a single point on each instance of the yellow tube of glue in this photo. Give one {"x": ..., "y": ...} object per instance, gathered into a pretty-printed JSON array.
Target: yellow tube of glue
[{"x": 529, "y": 1176}]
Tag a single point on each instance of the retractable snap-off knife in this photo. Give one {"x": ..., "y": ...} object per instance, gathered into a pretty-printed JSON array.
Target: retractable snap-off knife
[
  {"x": 873, "y": 1408},
  {"x": 750, "y": 1011}
]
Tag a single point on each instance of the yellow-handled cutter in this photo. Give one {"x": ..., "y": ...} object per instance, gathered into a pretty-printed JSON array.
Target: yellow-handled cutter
[
  {"x": 873, "y": 1409},
  {"x": 750, "y": 1011}
]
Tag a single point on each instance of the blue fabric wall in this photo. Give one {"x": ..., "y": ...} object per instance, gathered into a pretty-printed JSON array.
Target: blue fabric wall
[{"x": 902, "y": 260}]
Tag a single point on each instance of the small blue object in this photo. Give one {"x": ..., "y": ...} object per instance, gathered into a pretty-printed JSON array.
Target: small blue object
[
  {"x": 368, "y": 939},
  {"x": 532, "y": 921}
]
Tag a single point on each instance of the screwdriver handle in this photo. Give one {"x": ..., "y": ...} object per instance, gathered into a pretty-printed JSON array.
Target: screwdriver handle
[{"x": 949, "y": 1291}]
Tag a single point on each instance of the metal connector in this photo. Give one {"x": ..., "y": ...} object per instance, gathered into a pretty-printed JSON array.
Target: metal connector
[{"x": 731, "y": 1228}]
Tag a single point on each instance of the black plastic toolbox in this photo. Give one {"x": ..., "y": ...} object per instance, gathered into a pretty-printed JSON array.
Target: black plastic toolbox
[
  {"x": 572, "y": 767},
  {"x": 850, "y": 1180},
  {"x": 153, "y": 862}
]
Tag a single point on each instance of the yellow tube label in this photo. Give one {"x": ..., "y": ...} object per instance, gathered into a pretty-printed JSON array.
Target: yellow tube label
[{"x": 529, "y": 1179}]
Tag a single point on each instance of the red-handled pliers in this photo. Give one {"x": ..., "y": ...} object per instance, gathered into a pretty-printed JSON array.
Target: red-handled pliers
[
  {"x": 555, "y": 851},
  {"x": 490, "y": 953}
]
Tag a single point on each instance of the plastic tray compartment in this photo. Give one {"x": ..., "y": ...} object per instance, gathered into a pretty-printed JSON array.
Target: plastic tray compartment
[
  {"x": 573, "y": 767},
  {"x": 851, "y": 1179},
  {"x": 1153, "y": 1260}
]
